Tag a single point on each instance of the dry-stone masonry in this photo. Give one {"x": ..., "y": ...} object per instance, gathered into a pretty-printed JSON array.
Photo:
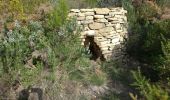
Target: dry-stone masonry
[{"x": 108, "y": 26}]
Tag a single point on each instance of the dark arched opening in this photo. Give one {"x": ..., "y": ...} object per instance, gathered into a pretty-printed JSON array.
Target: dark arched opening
[{"x": 94, "y": 48}]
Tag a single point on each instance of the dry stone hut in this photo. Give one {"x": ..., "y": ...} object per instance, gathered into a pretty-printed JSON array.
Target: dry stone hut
[{"x": 104, "y": 30}]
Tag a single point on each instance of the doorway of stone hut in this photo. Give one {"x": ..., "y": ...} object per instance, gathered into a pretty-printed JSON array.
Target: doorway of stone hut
[{"x": 93, "y": 48}]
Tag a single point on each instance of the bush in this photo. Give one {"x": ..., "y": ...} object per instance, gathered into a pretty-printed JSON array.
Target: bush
[
  {"x": 149, "y": 37},
  {"x": 149, "y": 91},
  {"x": 16, "y": 48},
  {"x": 59, "y": 15}
]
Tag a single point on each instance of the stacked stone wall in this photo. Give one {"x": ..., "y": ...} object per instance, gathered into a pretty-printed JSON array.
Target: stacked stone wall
[{"x": 108, "y": 26}]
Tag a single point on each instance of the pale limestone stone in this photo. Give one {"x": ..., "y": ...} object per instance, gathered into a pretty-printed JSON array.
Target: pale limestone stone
[
  {"x": 80, "y": 18},
  {"x": 72, "y": 14},
  {"x": 90, "y": 33},
  {"x": 86, "y": 10},
  {"x": 95, "y": 25},
  {"x": 106, "y": 30},
  {"x": 75, "y": 10},
  {"x": 89, "y": 17},
  {"x": 87, "y": 22},
  {"x": 118, "y": 26},
  {"x": 79, "y": 22},
  {"x": 115, "y": 40},
  {"x": 108, "y": 16},
  {"x": 112, "y": 19},
  {"x": 86, "y": 28},
  {"x": 117, "y": 16},
  {"x": 89, "y": 13},
  {"x": 102, "y": 20},
  {"x": 112, "y": 14},
  {"x": 109, "y": 24},
  {"x": 98, "y": 16},
  {"x": 81, "y": 14},
  {"x": 115, "y": 22},
  {"x": 119, "y": 30},
  {"x": 102, "y": 11}
]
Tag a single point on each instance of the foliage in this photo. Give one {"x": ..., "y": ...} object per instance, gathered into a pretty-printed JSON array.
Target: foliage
[
  {"x": 149, "y": 91},
  {"x": 17, "y": 45},
  {"x": 59, "y": 14},
  {"x": 149, "y": 37}
]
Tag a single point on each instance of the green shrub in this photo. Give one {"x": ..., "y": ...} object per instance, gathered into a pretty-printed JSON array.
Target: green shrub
[
  {"x": 16, "y": 47},
  {"x": 149, "y": 91},
  {"x": 58, "y": 16},
  {"x": 149, "y": 37}
]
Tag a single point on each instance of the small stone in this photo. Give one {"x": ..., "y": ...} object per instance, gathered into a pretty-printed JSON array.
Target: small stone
[
  {"x": 87, "y": 22},
  {"x": 118, "y": 26},
  {"x": 90, "y": 33},
  {"x": 109, "y": 24},
  {"x": 72, "y": 14},
  {"x": 79, "y": 22},
  {"x": 112, "y": 19},
  {"x": 106, "y": 30},
  {"x": 89, "y": 13},
  {"x": 102, "y": 11},
  {"x": 115, "y": 22},
  {"x": 108, "y": 16},
  {"x": 98, "y": 16},
  {"x": 96, "y": 25},
  {"x": 89, "y": 17},
  {"x": 112, "y": 14},
  {"x": 80, "y": 18},
  {"x": 81, "y": 14},
  {"x": 75, "y": 10},
  {"x": 102, "y": 20}
]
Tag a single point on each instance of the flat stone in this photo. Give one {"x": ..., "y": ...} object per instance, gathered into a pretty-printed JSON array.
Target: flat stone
[
  {"x": 89, "y": 13},
  {"x": 81, "y": 14},
  {"x": 95, "y": 25},
  {"x": 89, "y": 17},
  {"x": 102, "y": 20},
  {"x": 108, "y": 16},
  {"x": 106, "y": 30},
  {"x": 72, "y": 14},
  {"x": 112, "y": 19},
  {"x": 80, "y": 18},
  {"x": 118, "y": 26},
  {"x": 102, "y": 11},
  {"x": 75, "y": 10},
  {"x": 86, "y": 10},
  {"x": 112, "y": 14},
  {"x": 87, "y": 22},
  {"x": 79, "y": 22},
  {"x": 90, "y": 33},
  {"x": 98, "y": 16},
  {"x": 109, "y": 24}
]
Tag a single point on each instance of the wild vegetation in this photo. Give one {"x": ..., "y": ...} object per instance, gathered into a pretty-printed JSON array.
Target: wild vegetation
[{"x": 45, "y": 52}]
